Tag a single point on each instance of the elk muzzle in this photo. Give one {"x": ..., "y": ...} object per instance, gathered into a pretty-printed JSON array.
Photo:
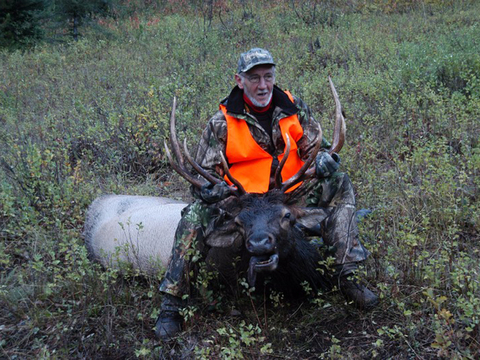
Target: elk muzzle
[{"x": 264, "y": 252}]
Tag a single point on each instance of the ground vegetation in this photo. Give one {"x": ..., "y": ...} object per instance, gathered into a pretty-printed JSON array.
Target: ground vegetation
[{"x": 82, "y": 118}]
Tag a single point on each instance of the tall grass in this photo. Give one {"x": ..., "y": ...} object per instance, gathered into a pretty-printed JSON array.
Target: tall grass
[{"x": 85, "y": 118}]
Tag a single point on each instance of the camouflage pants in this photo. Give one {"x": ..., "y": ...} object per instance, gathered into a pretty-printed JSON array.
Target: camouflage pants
[
  {"x": 339, "y": 233},
  {"x": 340, "y": 229}
]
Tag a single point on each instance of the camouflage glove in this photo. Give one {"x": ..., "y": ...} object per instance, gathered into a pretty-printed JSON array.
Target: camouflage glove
[
  {"x": 326, "y": 164},
  {"x": 214, "y": 193}
]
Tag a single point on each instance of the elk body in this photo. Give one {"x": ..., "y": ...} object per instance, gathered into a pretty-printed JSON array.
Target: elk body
[
  {"x": 265, "y": 237},
  {"x": 264, "y": 231},
  {"x": 137, "y": 230}
]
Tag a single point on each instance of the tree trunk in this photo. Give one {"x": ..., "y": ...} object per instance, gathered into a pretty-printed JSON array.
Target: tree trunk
[{"x": 75, "y": 27}]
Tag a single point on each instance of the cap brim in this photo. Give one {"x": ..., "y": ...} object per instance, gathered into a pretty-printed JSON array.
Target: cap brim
[{"x": 251, "y": 66}]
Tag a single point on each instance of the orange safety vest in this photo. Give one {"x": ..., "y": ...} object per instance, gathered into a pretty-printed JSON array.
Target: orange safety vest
[{"x": 249, "y": 163}]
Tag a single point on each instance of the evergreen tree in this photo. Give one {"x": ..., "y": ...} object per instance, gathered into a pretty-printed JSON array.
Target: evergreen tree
[
  {"x": 76, "y": 11},
  {"x": 20, "y": 22}
]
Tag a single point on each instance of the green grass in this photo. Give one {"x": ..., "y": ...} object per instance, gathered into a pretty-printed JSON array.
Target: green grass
[{"x": 86, "y": 118}]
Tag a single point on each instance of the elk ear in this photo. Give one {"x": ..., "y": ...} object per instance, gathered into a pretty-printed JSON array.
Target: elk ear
[
  {"x": 310, "y": 217},
  {"x": 224, "y": 236},
  {"x": 223, "y": 231}
]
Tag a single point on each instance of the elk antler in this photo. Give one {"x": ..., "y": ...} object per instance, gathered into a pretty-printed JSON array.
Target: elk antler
[
  {"x": 278, "y": 173},
  {"x": 241, "y": 190},
  {"x": 212, "y": 179},
  {"x": 305, "y": 171},
  {"x": 340, "y": 128},
  {"x": 180, "y": 168}
]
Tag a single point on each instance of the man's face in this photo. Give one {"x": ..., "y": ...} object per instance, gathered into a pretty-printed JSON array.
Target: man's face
[{"x": 257, "y": 84}]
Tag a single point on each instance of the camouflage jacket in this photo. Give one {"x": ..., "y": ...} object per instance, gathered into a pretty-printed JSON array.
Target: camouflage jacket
[{"x": 214, "y": 137}]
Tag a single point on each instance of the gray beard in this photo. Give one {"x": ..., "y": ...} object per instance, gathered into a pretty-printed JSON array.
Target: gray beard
[{"x": 256, "y": 103}]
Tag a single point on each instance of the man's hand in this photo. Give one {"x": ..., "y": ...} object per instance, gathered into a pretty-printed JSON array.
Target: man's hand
[
  {"x": 213, "y": 193},
  {"x": 326, "y": 164}
]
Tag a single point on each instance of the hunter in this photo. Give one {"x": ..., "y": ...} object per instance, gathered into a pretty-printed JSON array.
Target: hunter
[{"x": 247, "y": 130}]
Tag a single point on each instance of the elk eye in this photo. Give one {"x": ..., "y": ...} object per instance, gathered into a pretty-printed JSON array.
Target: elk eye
[{"x": 287, "y": 215}]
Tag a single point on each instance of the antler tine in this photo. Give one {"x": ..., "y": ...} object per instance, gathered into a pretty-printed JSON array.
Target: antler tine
[
  {"x": 340, "y": 127},
  {"x": 278, "y": 172},
  {"x": 179, "y": 166},
  {"x": 173, "y": 135},
  {"x": 240, "y": 189},
  {"x": 338, "y": 140},
  {"x": 181, "y": 171},
  {"x": 197, "y": 167},
  {"x": 303, "y": 174}
]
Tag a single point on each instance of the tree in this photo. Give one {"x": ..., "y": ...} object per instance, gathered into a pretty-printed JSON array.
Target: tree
[
  {"x": 20, "y": 22},
  {"x": 75, "y": 11}
]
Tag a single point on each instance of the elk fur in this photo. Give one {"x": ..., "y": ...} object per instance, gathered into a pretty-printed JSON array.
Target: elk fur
[{"x": 136, "y": 230}]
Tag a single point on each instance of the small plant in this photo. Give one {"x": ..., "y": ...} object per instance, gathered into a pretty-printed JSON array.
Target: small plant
[{"x": 235, "y": 342}]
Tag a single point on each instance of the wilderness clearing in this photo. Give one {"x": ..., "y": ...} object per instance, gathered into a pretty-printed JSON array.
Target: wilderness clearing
[{"x": 79, "y": 119}]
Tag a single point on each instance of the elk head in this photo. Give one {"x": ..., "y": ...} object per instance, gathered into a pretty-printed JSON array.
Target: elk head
[{"x": 266, "y": 222}]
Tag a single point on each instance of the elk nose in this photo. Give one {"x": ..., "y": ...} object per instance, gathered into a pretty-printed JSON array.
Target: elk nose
[{"x": 261, "y": 244}]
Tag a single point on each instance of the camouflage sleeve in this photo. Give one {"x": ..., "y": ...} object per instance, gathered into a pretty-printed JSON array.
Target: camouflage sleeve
[
  {"x": 311, "y": 130},
  {"x": 212, "y": 144}
]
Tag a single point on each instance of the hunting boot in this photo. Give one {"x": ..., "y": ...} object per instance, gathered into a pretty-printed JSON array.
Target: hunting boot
[
  {"x": 353, "y": 291},
  {"x": 169, "y": 322}
]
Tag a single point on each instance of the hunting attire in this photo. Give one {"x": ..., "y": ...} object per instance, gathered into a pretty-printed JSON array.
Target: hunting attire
[{"x": 256, "y": 141}]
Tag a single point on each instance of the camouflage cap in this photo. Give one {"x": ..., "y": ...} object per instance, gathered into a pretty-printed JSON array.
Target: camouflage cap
[{"x": 254, "y": 57}]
